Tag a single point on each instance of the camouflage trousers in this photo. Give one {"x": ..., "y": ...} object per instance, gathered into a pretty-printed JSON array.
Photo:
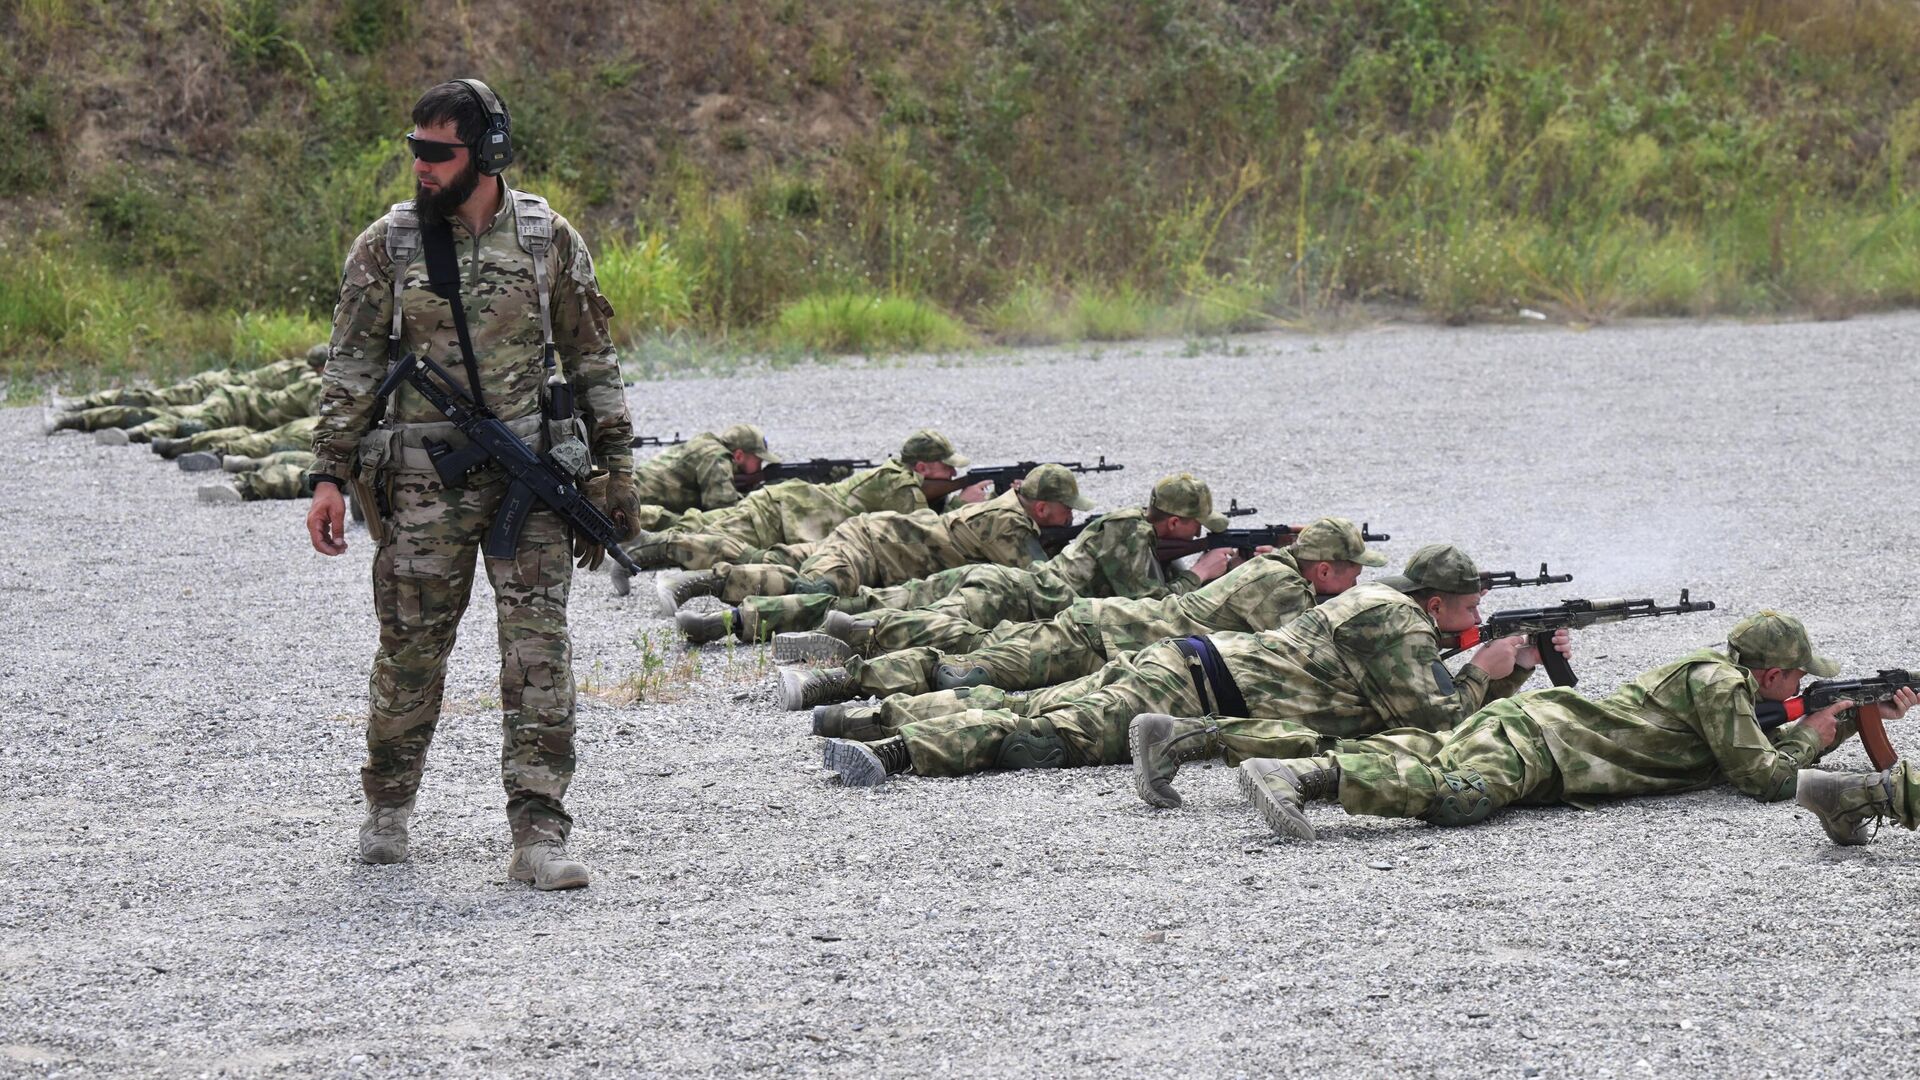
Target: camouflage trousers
[
  {"x": 1499, "y": 753},
  {"x": 1016, "y": 656},
  {"x": 247, "y": 442},
  {"x": 856, "y": 554},
  {"x": 276, "y": 476},
  {"x": 977, "y": 595},
  {"x": 783, "y": 514},
  {"x": 1091, "y": 727},
  {"x": 112, "y": 416},
  {"x": 186, "y": 392},
  {"x": 422, "y": 578},
  {"x": 1906, "y": 794}
]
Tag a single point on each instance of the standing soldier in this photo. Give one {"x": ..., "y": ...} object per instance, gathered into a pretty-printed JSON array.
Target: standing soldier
[{"x": 525, "y": 291}]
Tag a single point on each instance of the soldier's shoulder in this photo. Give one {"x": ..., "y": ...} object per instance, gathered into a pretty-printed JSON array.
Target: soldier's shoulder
[{"x": 1707, "y": 670}]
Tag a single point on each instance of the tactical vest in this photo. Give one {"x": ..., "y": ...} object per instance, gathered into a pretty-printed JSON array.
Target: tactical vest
[{"x": 533, "y": 226}]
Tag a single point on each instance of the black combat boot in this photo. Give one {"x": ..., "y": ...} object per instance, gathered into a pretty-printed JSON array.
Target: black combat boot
[{"x": 861, "y": 764}]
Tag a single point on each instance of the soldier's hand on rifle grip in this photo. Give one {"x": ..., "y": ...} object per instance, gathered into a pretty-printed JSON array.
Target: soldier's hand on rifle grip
[
  {"x": 1496, "y": 657},
  {"x": 327, "y": 520},
  {"x": 1826, "y": 722},
  {"x": 1527, "y": 656},
  {"x": 976, "y": 493},
  {"x": 1213, "y": 563}
]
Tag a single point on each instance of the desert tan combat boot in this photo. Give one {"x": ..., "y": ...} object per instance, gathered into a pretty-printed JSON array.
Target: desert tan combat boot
[
  {"x": 803, "y": 688},
  {"x": 544, "y": 865},
  {"x": 383, "y": 836},
  {"x": 1280, "y": 790},
  {"x": 1160, "y": 744},
  {"x": 1846, "y": 802}
]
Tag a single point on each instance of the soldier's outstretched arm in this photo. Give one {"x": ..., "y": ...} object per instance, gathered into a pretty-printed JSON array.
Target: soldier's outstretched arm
[{"x": 585, "y": 344}]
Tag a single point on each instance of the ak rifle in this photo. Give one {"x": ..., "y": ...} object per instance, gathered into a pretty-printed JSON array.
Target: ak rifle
[
  {"x": 1868, "y": 691},
  {"x": 1507, "y": 579},
  {"x": 1539, "y": 624},
  {"x": 533, "y": 479},
  {"x": 1247, "y": 541},
  {"x": 656, "y": 440},
  {"x": 1003, "y": 476},
  {"x": 1055, "y": 538},
  {"x": 820, "y": 470}
]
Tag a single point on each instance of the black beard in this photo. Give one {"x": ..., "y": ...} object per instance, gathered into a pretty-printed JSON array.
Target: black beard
[{"x": 435, "y": 207}]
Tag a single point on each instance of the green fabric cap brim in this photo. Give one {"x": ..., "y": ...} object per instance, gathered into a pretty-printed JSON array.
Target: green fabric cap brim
[
  {"x": 1215, "y": 522},
  {"x": 1822, "y": 667},
  {"x": 1370, "y": 557}
]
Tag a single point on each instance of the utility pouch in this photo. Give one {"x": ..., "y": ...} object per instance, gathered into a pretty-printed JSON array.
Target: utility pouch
[{"x": 369, "y": 482}]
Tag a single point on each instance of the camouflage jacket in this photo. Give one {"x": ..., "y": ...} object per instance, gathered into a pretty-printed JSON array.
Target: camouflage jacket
[
  {"x": 1682, "y": 725},
  {"x": 1361, "y": 663},
  {"x": 277, "y": 375},
  {"x": 1263, "y": 593},
  {"x": 503, "y": 317},
  {"x": 1116, "y": 555},
  {"x": 995, "y": 531},
  {"x": 697, "y": 475},
  {"x": 893, "y": 486},
  {"x": 258, "y": 407}
]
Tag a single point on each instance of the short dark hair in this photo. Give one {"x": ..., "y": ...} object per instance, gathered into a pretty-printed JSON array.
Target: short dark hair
[
  {"x": 455, "y": 103},
  {"x": 1421, "y": 596},
  {"x": 1155, "y": 515}
]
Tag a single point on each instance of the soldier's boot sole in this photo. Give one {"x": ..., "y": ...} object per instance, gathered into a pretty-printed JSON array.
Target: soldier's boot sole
[
  {"x": 1147, "y": 731},
  {"x": 810, "y": 646},
  {"x": 853, "y": 763},
  {"x": 1287, "y": 818},
  {"x": 219, "y": 494},
  {"x": 622, "y": 581},
  {"x": 112, "y": 436},
  {"x": 198, "y": 461}
]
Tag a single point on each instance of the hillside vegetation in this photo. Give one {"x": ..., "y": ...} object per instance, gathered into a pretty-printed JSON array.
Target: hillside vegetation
[{"x": 183, "y": 178}]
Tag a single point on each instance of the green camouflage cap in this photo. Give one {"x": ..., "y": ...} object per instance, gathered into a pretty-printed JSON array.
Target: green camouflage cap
[
  {"x": 1440, "y": 567},
  {"x": 749, "y": 438},
  {"x": 1188, "y": 496},
  {"x": 1333, "y": 539},
  {"x": 929, "y": 445},
  {"x": 1054, "y": 483},
  {"x": 1771, "y": 639}
]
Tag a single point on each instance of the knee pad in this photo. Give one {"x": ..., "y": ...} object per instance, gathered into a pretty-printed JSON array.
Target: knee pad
[
  {"x": 1034, "y": 746},
  {"x": 1462, "y": 801},
  {"x": 813, "y": 587}
]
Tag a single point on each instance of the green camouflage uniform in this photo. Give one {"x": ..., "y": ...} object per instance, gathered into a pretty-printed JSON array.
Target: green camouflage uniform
[
  {"x": 1364, "y": 662},
  {"x": 1685, "y": 725},
  {"x": 1114, "y": 556},
  {"x": 423, "y": 568},
  {"x": 1263, "y": 593},
  {"x": 279, "y": 475},
  {"x": 206, "y": 389},
  {"x": 247, "y": 407},
  {"x": 790, "y": 512},
  {"x": 187, "y": 391},
  {"x": 886, "y": 549},
  {"x": 697, "y": 474},
  {"x": 1904, "y": 784},
  {"x": 246, "y": 442}
]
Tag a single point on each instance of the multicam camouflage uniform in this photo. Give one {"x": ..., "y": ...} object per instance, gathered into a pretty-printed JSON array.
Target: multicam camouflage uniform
[
  {"x": 202, "y": 390},
  {"x": 790, "y": 512},
  {"x": 886, "y": 549},
  {"x": 236, "y": 406},
  {"x": 697, "y": 474},
  {"x": 424, "y": 566},
  {"x": 1264, "y": 593},
  {"x": 1364, "y": 662}
]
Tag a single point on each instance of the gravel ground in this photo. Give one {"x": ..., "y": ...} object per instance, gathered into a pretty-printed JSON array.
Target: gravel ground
[{"x": 184, "y": 719}]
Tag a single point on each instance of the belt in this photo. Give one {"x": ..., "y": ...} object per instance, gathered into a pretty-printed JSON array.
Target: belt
[
  {"x": 402, "y": 447},
  {"x": 1211, "y": 679}
]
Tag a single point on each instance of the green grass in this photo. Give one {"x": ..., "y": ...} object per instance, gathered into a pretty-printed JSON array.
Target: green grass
[{"x": 1059, "y": 170}]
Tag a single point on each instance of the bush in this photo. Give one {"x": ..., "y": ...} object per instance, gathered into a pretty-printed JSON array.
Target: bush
[{"x": 866, "y": 323}]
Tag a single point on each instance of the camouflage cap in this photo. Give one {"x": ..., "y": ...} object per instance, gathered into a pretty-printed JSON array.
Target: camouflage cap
[
  {"x": 1440, "y": 567},
  {"x": 1771, "y": 639},
  {"x": 929, "y": 445},
  {"x": 1054, "y": 483},
  {"x": 749, "y": 438},
  {"x": 1188, "y": 496},
  {"x": 1333, "y": 539}
]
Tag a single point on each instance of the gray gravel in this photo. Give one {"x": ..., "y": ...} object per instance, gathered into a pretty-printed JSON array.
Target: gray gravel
[{"x": 183, "y": 714}]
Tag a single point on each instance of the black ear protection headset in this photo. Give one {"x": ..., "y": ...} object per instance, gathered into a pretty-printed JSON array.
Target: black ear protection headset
[{"x": 494, "y": 152}]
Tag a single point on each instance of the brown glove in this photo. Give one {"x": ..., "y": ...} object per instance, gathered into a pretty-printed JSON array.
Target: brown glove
[
  {"x": 587, "y": 554},
  {"x": 622, "y": 501}
]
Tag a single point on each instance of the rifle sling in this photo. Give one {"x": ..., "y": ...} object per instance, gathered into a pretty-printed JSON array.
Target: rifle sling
[
  {"x": 443, "y": 278},
  {"x": 1219, "y": 695}
]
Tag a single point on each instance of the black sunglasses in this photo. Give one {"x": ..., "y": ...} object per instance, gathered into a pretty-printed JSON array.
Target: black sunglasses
[{"x": 433, "y": 152}]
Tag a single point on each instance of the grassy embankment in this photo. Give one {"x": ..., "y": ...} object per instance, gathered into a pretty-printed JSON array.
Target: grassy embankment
[{"x": 859, "y": 174}]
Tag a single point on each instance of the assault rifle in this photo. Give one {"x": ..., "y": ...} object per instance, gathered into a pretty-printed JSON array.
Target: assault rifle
[
  {"x": 1507, "y": 579},
  {"x": 532, "y": 479},
  {"x": 1003, "y": 476},
  {"x": 818, "y": 470},
  {"x": 1538, "y": 624},
  {"x": 1871, "y": 691},
  {"x": 656, "y": 440},
  {"x": 1055, "y": 538},
  {"x": 1247, "y": 541}
]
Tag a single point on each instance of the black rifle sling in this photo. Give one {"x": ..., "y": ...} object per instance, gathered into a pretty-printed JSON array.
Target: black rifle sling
[{"x": 443, "y": 277}]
